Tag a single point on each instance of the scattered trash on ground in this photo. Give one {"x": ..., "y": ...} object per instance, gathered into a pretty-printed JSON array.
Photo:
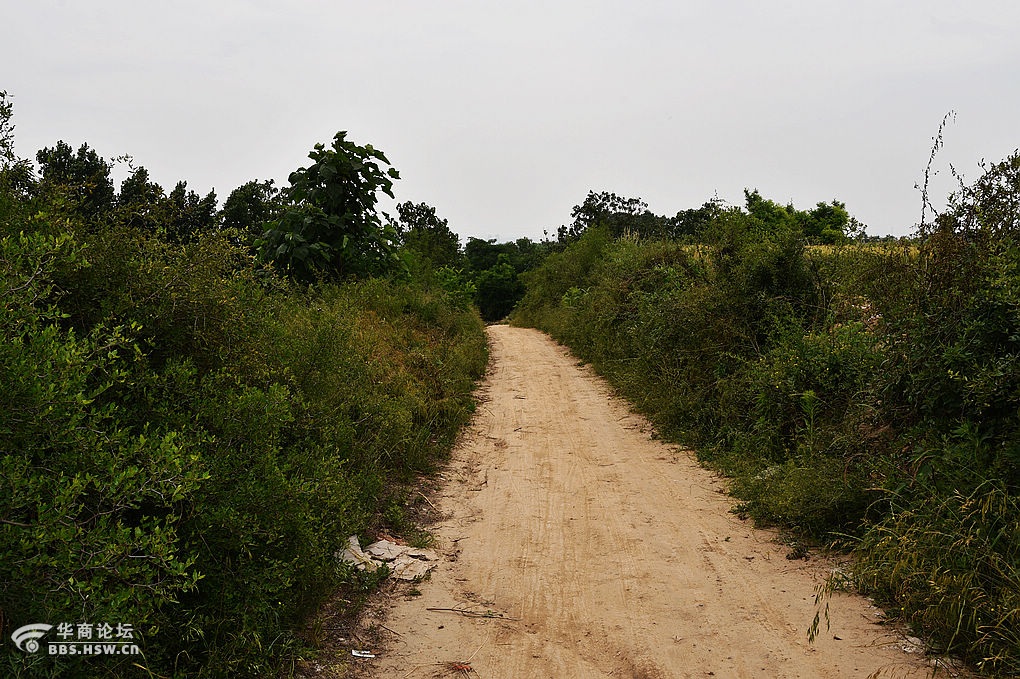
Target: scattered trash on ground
[
  {"x": 352, "y": 554},
  {"x": 362, "y": 654},
  {"x": 404, "y": 562}
]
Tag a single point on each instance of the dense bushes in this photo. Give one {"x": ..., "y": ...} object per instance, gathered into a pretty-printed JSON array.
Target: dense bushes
[
  {"x": 196, "y": 480},
  {"x": 494, "y": 269},
  {"x": 187, "y": 440},
  {"x": 862, "y": 392}
]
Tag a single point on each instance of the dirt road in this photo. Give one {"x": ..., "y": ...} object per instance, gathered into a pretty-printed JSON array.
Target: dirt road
[{"x": 588, "y": 549}]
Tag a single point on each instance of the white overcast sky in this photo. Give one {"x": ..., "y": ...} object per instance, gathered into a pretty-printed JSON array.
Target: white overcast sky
[{"x": 503, "y": 115}]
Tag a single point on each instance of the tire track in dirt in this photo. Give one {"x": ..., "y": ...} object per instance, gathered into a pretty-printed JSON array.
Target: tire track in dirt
[{"x": 592, "y": 550}]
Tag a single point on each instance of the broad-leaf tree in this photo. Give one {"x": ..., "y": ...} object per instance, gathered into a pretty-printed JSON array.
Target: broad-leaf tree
[{"x": 330, "y": 226}]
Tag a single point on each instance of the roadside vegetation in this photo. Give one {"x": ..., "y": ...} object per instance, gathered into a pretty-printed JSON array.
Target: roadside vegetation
[
  {"x": 864, "y": 393},
  {"x": 200, "y": 403}
]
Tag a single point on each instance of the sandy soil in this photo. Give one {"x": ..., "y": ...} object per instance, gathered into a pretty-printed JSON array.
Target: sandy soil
[{"x": 585, "y": 548}]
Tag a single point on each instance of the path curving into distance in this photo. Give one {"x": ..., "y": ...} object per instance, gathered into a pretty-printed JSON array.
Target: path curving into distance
[{"x": 587, "y": 549}]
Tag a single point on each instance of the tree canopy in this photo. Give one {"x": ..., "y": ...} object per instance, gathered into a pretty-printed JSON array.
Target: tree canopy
[
  {"x": 427, "y": 234},
  {"x": 827, "y": 223},
  {"x": 330, "y": 225}
]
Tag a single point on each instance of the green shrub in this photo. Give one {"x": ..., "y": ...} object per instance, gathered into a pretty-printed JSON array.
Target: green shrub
[
  {"x": 951, "y": 567},
  {"x": 863, "y": 391},
  {"x": 812, "y": 495},
  {"x": 91, "y": 507},
  {"x": 187, "y": 445}
]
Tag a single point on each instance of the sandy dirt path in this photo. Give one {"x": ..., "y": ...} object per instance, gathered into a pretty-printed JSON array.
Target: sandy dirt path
[{"x": 591, "y": 550}]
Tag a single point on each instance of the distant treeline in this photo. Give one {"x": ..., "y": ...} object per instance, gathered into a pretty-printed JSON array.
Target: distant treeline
[
  {"x": 493, "y": 270},
  {"x": 859, "y": 392},
  {"x": 200, "y": 403}
]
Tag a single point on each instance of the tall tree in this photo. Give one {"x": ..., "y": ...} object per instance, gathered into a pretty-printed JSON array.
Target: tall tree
[
  {"x": 248, "y": 209},
  {"x": 482, "y": 254},
  {"x": 427, "y": 234},
  {"x": 186, "y": 215},
  {"x": 827, "y": 223},
  {"x": 498, "y": 289},
  {"x": 620, "y": 215},
  {"x": 138, "y": 201},
  {"x": 693, "y": 221},
  {"x": 7, "y": 156},
  {"x": 17, "y": 178},
  {"x": 83, "y": 175},
  {"x": 330, "y": 225}
]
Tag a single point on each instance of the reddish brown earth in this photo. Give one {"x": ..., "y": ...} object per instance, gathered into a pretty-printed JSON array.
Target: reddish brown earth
[{"x": 585, "y": 548}]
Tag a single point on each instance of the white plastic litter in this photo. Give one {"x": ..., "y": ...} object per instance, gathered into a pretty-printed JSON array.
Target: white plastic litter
[
  {"x": 384, "y": 550},
  {"x": 407, "y": 567},
  {"x": 405, "y": 563},
  {"x": 353, "y": 554}
]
